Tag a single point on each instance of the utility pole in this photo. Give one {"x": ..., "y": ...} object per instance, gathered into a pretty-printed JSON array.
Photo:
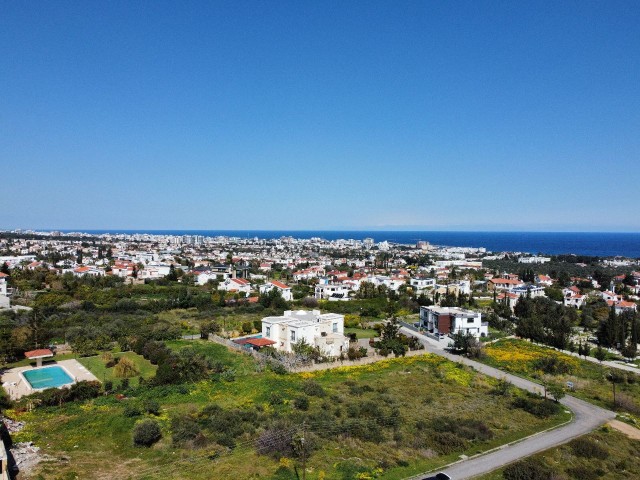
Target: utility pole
[{"x": 304, "y": 451}]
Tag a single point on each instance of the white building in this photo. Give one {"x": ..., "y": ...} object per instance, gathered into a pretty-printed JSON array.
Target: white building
[
  {"x": 239, "y": 285},
  {"x": 332, "y": 291},
  {"x": 446, "y": 320},
  {"x": 532, "y": 291},
  {"x": 325, "y": 331},
  {"x": 285, "y": 290},
  {"x": 5, "y": 292},
  {"x": 420, "y": 284}
]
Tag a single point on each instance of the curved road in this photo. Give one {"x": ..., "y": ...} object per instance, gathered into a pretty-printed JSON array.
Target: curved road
[{"x": 586, "y": 417}]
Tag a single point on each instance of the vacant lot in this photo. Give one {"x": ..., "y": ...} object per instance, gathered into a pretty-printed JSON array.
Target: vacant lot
[
  {"x": 385, "y": 420},
  {"x": 602, "y": 455},
  {"x": 589, "y": 379}
]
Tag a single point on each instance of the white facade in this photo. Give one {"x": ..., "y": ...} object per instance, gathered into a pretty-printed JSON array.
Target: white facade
[
  {"x": 419, "y": 284},
  {"x": 325, "y": 331},
  {"x": 239, "y": 285},
  {"x": 4, "y": 294},
  {"x": 285, "y": 290},
  {"x": 446, "y": 320},
  {"x": 332, "y": 291}
]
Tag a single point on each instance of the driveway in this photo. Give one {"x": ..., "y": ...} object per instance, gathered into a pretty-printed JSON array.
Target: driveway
[{"x": 587, "y": 417}]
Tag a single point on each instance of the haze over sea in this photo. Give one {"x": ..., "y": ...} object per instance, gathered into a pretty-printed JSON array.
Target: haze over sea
[{"x": 601, "y": 244}]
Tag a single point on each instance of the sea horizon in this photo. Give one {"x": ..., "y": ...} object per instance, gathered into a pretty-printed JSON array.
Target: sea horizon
[{"x": 600, "y": 244}]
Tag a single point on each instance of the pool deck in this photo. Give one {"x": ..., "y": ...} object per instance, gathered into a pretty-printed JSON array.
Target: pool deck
[{"x": 15, "y": 385}]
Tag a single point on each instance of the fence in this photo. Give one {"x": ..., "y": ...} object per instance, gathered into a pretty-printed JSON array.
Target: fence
[{"x": 296, "y": 365}]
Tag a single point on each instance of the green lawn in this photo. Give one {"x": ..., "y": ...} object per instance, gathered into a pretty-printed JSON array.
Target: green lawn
[
  {"x": 371, "y": 420},
  {"x": 361, "y": 333},
  {"x": 97, "y": 366}
]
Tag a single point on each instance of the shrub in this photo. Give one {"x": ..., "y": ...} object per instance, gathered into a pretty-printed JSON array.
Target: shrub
[
  {"x": 313, "y": 389},
  {"x": 151, "y": 406},
  {"x": 146, "y": 433},
  {"x": 125, "y": 368},
  {"x": 584, "y": 472},
  {"x": 587, "y": 448},
  {"x": 447, "y": 442},
  {"x": 229, "y": 375},
  {"x": 538, "y": 407},
  {"x": 108, "y": 386},
  {"x": 528, "y": 469},
  {"x": 132, "y": 409},
  {"x": 184, "y": 429},
  {"x": 275, "y": 399},
  {"x": 553, "y": 365},
  {"x": 301, "y": 403},
  {"x": 106, "y": 357}
]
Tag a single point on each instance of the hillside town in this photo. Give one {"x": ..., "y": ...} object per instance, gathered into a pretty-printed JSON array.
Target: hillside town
[{"x": 130, "y": 318}]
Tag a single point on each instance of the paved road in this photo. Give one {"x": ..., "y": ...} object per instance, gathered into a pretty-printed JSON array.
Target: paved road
[{"x": 586, "y": 418}]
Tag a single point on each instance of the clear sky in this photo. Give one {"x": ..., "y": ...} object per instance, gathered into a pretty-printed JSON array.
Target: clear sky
[{"x": 320, "y": 115}]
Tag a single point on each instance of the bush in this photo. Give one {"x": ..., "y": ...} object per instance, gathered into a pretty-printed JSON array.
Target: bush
[
  {"x": 528, "y": 469},
  {"x": 125, "y": 368},
  {"x": 587, "y": 448},
  {"x": 313, "y": 389},
  {"x": 151, "y": 406},
  {"x": 146, "y": 433},
  {"x": 132, "y": 409},
  {"x": 184, "y": 429},
  {"x": 538, "y": 407},
  {"x": 553, "y": 365},
  {"x": 108, "y": 386},
  {"x": 447, "y": 442},
  {"x": 275, "y": 399},
  {"x": 301, "y": 403}
]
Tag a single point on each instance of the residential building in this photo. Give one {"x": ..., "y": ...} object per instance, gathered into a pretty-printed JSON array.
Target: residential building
[
  {"x": 449, "y": 320},
  {"x": 332, "y": 291},
  {"x": 325, "y": 331},
  {"x": 285, "y": 290}
]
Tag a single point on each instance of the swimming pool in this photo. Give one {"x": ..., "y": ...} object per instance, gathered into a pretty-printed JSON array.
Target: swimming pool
[{"x": 47, "y": 377}]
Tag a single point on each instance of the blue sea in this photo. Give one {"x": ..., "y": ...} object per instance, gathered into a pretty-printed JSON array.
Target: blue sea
[{"x": 551, "y": 243}]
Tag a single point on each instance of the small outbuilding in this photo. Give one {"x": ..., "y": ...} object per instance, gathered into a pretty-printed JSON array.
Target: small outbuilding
[{"x": 38, "y": 355}]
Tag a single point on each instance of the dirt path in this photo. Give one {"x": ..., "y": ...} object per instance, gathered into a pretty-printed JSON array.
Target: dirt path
[{"x": 628, "y": 430}]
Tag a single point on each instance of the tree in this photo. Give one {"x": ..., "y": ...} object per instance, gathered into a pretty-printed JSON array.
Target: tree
[
  {"x": 79, "y": 256},
  {"x": 556, "y": 390},
  {"x": 172, "y": 276},
  {"x": 208, "y": 328},
  {"x": 5, "y": 268},
  {"x": 615, "y": 376},
  {"x": 600, "y": 354},
  {"x": 629, "y": 350},
  {"x": 125, "y": 368}
]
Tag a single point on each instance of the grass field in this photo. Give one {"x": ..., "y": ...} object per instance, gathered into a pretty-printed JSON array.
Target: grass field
[
  {"x": 588, "y": 378},
  {"x": 615, "y": 457},
  {"x": 370, "y": 421},
  {"x": 361, "y": 333},
  {"x": 97, "y": 366}
]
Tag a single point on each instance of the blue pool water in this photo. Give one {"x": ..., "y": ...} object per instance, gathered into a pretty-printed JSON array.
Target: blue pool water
[{"x": 47, "y": 377}]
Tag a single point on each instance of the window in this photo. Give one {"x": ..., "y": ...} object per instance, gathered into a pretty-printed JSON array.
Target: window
[
  {"x": 293, "y": 335},
  {"x": 268, "y": 331},
  {"x": 335, "y": 328},
  {"x": 470, "y": 320}
]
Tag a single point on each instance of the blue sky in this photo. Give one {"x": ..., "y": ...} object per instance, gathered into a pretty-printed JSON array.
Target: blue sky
[{"x": 320, "y": 115}]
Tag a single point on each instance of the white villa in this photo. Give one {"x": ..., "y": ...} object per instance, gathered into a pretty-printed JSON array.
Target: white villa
[
  {"x": 446, "y": 320},
  {"x": 325, "y": 331},
  {"x": 332, "y": 291},
  {"x": 5, "y": 292},
  {"x": 285, "y": 290}
]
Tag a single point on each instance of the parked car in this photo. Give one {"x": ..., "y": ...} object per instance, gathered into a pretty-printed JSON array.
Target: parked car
[{"x": 438, "y": 476}]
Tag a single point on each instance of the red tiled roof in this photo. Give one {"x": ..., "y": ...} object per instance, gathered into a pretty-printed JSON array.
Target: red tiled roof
[
  {"x": 3, "y": 275},
  {"x": 260, "y": 342},
  {"x": 42, "y": 352},
  {"x": 279, "y": 284}
]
